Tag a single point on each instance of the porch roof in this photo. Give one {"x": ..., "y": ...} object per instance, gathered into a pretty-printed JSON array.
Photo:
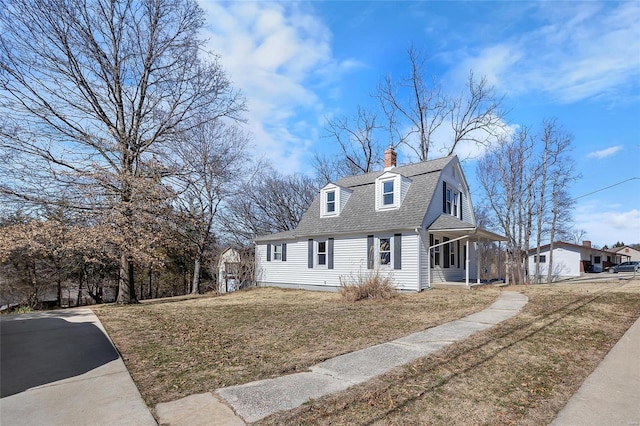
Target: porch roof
[{"x": 447, "y": 223}]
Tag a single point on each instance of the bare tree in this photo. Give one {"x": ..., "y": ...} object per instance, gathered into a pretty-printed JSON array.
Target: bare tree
[
  {"x": 88, "y": 88},
  {"x": 507, "y": 183},
  {"x": 420, "y": 105},
  {"x": 210, "y": 162},
  {"x": 360, "y": 152},
  {"x": 554, "y": 171},
  {"x": 271, "y": 202},
  {"x": 524, "y": 179}
]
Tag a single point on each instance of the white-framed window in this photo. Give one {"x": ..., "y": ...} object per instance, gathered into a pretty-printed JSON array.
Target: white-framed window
[
  {"x": 321, "y": 253},
  {"x": 277, "y": 252},
  {"x": 452, "y": 254},
  {"x": 331, "y": 202},
  {"x": 436, "y": 253},
  {"x": 543, "y": 258},
  {"x": 388, "y": 193},
  {"x": 384, "y": 251},
  {"x": 452, "y": 202}
]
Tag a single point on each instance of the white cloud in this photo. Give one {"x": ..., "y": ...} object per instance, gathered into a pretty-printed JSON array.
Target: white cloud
[
  {"x": 272, "y": 51},
  {"x": 583, "y": 50},
  {"x": 604, "y": 152},
  {"x": 607, "y": 226}
]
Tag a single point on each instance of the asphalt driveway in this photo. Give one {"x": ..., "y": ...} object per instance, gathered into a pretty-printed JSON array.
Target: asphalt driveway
[{"x": 60, "y": 368}]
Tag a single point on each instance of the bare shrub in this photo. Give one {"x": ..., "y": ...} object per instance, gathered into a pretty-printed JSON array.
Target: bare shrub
[{"x": 371, "y": 285}]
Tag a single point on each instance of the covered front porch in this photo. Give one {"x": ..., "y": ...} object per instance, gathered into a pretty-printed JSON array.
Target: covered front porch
[{"x": 458, "y": 254}]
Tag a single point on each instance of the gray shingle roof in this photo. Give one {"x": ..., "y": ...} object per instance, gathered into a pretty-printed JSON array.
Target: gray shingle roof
[
  {"x": 446, "y": 221},
  {"x": 359, "y": 214}
]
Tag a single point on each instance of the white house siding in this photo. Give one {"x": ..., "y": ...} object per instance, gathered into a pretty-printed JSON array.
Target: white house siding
[
  {"x": 566, "y": 263},
  {"x": 349, "y": 258}
]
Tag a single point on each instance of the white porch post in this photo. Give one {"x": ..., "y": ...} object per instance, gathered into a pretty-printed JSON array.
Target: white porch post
[
  {"x": 428, "y": 266},
  {"x": 477, "y": 265},
  {"x": 466, "y": 261}
]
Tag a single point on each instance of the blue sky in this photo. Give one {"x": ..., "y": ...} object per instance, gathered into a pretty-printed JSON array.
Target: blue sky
[{"x": 299, "y": 63}]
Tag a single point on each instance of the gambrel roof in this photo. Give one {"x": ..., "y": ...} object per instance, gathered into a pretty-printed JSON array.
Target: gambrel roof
[{"x": 360, "y": 216}]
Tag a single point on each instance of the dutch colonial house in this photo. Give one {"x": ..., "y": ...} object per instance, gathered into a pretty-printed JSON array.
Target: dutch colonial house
[{"x": 414, "y": 223}]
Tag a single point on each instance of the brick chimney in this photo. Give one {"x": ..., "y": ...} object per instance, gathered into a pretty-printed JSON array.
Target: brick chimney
[
  {"x": 390, "y": 158},
  {"x": 586, "y": 243}
]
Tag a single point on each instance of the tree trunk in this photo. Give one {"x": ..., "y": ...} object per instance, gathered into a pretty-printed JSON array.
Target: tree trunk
[
  {"x": 79, "y": 298},
  {"x": 195, "y": 285},
  {"x": 150, "y": 281},
  {"x": 127, "y": 292}
]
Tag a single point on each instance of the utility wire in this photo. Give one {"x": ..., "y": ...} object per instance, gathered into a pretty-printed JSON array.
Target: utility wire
[{"x": 610, "y": 186}]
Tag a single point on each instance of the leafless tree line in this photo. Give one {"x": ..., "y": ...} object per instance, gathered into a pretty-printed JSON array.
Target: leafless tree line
[
  {"x": 525, "y": 179},
  {"x": 115, "y": 116}
]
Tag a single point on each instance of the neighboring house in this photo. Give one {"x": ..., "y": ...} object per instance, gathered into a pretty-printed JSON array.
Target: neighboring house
[
  {"x": 625, "y": 254},
  {"x": 571, "y": 260},
  {"x": 414, "y": 223},
  {"x": 235, "y": 269}
]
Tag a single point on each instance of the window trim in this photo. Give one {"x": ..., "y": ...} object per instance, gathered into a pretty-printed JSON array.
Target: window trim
[
  {"x": 330, "y": 202},
  {"x": 319, "y": 253},
  {"x": 452, "y": 255},
  {"x": 277, "y": 252},
  {"x": 452, "y": 198},
  {"x": 386, "y": 193},
  {"x": 388, "y": 251}
]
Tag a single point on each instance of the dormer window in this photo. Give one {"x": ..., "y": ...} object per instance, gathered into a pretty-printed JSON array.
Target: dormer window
[
  {"x": 387, "y": 193},
  {"x": 390, "y": 191},
  {"x": 331, "y": 201},
  {"x": 333, "y": 198}
]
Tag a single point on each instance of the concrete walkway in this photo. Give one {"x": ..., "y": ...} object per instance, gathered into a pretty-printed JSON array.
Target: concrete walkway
[
  {"x": 257, "y": 400},
  {"x": 611, "y": 394},
  {"x": 60, "y": 368}
]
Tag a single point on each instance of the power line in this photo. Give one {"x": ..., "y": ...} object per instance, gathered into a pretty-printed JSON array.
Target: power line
[{"x": 610, "y": 186}]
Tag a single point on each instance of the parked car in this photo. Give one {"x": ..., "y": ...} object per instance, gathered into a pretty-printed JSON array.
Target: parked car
[{"x": 626, "y": 267}]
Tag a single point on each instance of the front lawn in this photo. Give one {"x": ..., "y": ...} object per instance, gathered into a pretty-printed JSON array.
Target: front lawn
[{"x": 178, "y": 348}]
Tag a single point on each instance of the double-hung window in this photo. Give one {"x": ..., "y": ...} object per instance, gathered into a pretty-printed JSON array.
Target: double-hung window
[
  {"x": 436, "y": 253},
  {"x": 452, "y": 254},
  {"x": 331, "y": 201},
  {"x": 387, "y": 193},
  {"x": 322, "y": 252},
  {"x": 452, "y": 202},
  {"x": 385, "y": 251},
  {"x": 277, "y": 252}
]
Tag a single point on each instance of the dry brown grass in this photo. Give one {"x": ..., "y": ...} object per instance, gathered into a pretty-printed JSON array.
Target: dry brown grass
[
  {"x": 522, "y": 371},
  {"x": 185, "y": 347},
  {"x": 368, "y": 286}
]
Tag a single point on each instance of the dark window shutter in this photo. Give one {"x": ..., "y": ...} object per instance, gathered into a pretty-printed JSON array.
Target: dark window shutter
[
  {"x": 268, "y": 252},
  {"x": 446, "y": 252},
  {"x": 330, "y": 253},
  {"x": 397, "y": 251},
  {"x": 310, "y": 254},
  {"x": 444, "y": 197},
  {"x": 370, "y": 252},
  {"x": 460, "y": 206},
  {"x": 458, "y": 253},
  {"x": 284, "y": 252},
  {"x": 430, "y": 240}
]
